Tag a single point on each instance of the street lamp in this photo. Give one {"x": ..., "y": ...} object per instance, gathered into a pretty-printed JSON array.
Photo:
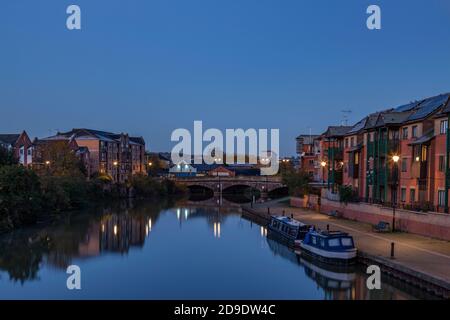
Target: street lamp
[
  {"x": 115, "y": 164},
  {"x": 323, "y": 164},
  {"x": 47, "y": 163},
  {"x": 395, "y": 183}
]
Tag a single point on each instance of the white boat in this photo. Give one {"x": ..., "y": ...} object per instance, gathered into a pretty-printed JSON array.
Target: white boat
[
  {"x": 288, "y": 229},
  {"x": 332, "y": 247}
]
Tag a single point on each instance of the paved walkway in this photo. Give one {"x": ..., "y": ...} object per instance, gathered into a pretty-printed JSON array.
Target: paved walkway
[{"x": 426, "y": 255}]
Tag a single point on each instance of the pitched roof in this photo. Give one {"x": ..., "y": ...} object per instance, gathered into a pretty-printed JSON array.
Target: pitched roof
[
  {"x": 392, "y": 118},
  {"x": 97, "y": 134},
  {"x": 9, "y": 138},
  {"x": 336, "y": 131},
  {"x": 308, "y": 138}
]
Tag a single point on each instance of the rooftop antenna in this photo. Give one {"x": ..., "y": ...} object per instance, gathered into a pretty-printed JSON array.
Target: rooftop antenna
[{"x": 345, "y": 115}]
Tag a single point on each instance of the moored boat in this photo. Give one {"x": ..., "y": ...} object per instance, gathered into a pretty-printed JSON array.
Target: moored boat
[
  {"x": 288, "y": 229},
  {"x": 334, "y": 247}
]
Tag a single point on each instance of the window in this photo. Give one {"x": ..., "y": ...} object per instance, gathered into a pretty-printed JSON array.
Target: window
[
  {"x": 405, "y": 133},
  {"x": 441, "y": 198},
  {"x": 404, "y": 165},
  {"x": 412, "y": 195},
  {"x": 414, "y": 131},
  {"x": 346, "y": 142},
  {"x": 441, "y": 163},
  {"x": 333, "y": 243},
  {"x": 403, "y": 195},
  {"x": 424, "y": 153},
  {"x": 352, "y": 142},
  {"x": 322, "y": 242},
  {"x": 356, "y": 162},
  {"x": 444, "y": 127},
  {"x": 347, "y": 242}
]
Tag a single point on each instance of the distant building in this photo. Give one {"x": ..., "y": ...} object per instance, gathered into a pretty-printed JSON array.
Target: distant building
[
  {"x": 21, "y": 146},
  {"x": 183, "y": 169},
  {"x": 115, "y": 154},
  {"x": 309, "y": 153},
  {"x": 221, "y": 171}
]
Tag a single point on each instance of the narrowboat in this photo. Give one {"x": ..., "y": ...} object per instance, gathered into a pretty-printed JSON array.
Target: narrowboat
[
  {"x": 333, "y": 247},
  {"x": 287, "y": 229}
]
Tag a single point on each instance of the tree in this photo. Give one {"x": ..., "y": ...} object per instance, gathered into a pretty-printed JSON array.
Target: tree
[
  {"x": 296, "y": 181},
  {"x": 58, "y": 159},
  {"x": 20, "y": 196},
  {"x": 154, "y": 165},
  {"x": 7, "y": 157}
]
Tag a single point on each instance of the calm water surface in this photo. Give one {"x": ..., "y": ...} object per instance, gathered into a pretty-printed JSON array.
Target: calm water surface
[{"x": 148, "y": 251}]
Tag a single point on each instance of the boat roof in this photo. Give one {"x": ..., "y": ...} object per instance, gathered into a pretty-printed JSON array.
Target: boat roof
[
  {"x": 331, "y": 234},
  {"x": 288, "y": 220}
]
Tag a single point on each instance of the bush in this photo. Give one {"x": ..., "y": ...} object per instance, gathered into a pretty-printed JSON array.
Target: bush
[
  {"x": 20, "y": 196},
  {"x": 347, "y": 194},
  {"x": 147, "y": 187},
  {"x": 64, "y": 193},
  {"x": 297, "y": 182}
]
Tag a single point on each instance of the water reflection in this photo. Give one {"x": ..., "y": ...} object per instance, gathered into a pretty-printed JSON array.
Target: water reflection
[
  {"x": 82, "y": 235},
  {"x": 155, "y": 239}
]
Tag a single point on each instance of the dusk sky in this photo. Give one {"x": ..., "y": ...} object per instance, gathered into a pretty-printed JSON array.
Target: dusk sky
[{"x": 149, "y": 67}]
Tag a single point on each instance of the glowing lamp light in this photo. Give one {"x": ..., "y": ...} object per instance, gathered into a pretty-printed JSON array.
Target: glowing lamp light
[
  {"x": 395, "y": 158},
  {"x": 323, "y": 163},
  {"x": 47, "y": 162}
]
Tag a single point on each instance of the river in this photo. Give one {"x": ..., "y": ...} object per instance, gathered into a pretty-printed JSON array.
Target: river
[{"x": 148, "y": 250}]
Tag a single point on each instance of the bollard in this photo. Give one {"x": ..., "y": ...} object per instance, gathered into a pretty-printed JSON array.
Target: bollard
[
  {"x": 328, "y": 227},
  {"x": 283, "y": 213},
  {"x": 392, "y": 250},
  {"x": 268, "y": 210},
  {"x": 292, "y": 216}
]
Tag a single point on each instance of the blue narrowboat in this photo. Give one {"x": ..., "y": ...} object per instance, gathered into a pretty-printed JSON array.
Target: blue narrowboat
[
  {"x": 287, "y": 229},
  {"x": 334, "y": 247}
]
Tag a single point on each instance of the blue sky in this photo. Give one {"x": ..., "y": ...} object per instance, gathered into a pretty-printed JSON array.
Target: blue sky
[{"x": 149, "y": 67}]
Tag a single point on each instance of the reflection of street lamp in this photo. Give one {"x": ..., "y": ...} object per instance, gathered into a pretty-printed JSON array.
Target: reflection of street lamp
[
  {"x": 395, "y": 158},
  {"x": 323, "y": 164}
]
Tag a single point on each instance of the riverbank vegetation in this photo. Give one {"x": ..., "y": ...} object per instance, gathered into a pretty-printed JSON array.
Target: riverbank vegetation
[
  {"x": 297, "y": 181},
  {"x": 29, "y": 194}
]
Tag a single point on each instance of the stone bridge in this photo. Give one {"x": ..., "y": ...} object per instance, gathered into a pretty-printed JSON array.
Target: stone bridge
[{"x": 264, "y": 184}]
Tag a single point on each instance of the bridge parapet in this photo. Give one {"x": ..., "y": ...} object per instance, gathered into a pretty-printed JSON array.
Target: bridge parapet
[{"x": 262, "y": 183}]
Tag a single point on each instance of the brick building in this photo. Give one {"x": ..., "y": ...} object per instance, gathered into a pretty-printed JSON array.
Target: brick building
[
  {"x": 114, "y": 154},
  {"x": 400, "y": 155},
  {"x": 21, "y": 146}
]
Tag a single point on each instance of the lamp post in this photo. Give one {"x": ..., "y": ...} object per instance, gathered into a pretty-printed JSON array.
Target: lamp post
[
  {"x": 47, "y": 167},
  {"x": 116, "y": 164},
  {"x": 323, "y": 164},
  {"x": 395, "y": 159}
]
